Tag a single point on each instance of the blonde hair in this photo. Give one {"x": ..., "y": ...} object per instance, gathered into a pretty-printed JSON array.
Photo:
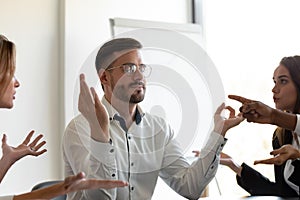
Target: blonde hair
[
  {"x": 279, "y": 134},
  {"x": 7, "y": 62}
]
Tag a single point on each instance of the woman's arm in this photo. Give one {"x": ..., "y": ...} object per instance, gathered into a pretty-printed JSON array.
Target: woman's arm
[
  {"x": 12, "y": 154},
  {"x": 281, "y": 155},
  {"x": 229, "y": 162},
  {"x": 70, "y": 184},
  {"x": 258, "y": 112}
]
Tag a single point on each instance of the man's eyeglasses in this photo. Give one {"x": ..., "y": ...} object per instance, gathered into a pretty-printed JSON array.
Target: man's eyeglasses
[{"x": 130, "y": 69}]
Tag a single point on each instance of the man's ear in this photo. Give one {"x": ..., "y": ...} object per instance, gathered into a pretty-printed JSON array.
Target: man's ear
[{"x": 103, "y": 76}]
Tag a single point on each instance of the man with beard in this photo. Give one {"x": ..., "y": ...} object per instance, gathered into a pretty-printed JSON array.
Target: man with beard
[{"x": 115, "y": 139}]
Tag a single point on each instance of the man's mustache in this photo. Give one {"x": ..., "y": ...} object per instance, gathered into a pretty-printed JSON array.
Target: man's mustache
[{"x": 139, "y": 83}]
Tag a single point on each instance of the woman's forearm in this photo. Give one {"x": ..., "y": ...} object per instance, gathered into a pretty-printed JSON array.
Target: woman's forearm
[
  {"x": 5, "y": 165},
  {"x": 236, "y": 168},
  {"x": 44, "y": 193},
  {"x": 284, "y": 119}
]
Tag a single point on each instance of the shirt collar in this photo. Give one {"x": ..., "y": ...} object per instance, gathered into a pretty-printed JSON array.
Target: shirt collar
[{"x": 139, "y": 114}]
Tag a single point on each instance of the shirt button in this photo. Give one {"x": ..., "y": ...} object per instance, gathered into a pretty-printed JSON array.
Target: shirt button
[
  {"x": 132, "y": 188},
  {"x": 113, "y": 175},
  {"x": 132, "y": 164},
  {"x": 112, "y": 150}
]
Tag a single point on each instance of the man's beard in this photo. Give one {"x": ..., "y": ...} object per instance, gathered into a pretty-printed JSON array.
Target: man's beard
[{"x": 136, "y": 97}]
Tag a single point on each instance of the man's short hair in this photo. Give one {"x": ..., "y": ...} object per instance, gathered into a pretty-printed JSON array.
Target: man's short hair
[{"x": 107, "y": 53}]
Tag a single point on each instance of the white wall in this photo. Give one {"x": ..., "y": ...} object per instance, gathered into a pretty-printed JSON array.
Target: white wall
[{"x": 33, "y": 26}]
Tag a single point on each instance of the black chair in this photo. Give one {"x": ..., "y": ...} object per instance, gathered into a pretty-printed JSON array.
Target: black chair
[{"x": 47, "y": 184}]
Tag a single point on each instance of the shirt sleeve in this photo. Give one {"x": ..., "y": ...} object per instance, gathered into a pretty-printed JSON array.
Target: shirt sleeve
[
  {"x": 83, "y": 154},
  {"x": 297, "y": 128},
  {"x": 255, "y": 183},
  {"x": 190, "y": 180}
]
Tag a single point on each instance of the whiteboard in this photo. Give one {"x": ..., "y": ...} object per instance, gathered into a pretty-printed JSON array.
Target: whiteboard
[{"x": 193, "y": 31}]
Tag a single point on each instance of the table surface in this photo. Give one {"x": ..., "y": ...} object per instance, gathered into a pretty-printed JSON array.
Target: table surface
[{"x": 249, "y": 198}]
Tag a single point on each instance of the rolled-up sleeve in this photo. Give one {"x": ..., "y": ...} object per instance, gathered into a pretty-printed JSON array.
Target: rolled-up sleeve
[{"x": 190, "y": 180}]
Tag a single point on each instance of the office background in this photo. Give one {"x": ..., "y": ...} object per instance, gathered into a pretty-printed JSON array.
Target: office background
[{"x": 245, "y": 39}]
